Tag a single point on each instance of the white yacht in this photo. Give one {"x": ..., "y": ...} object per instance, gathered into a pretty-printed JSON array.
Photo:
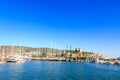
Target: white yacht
[{"x": 98, "y": 61}]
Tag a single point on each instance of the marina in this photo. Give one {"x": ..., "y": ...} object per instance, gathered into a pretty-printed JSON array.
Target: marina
[
  {"x": 27, "y": 63},
  {"x": 59, "y": 40},
  {"x": 18, "y": 54}
]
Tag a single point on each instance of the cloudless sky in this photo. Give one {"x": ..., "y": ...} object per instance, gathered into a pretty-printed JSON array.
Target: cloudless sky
[{"x": 88, "y": 24}]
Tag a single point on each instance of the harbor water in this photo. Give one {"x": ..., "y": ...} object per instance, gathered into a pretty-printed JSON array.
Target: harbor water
[{"x": 53, "y": 70}]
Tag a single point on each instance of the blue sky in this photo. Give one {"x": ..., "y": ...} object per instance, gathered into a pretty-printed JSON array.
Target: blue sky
[{"x": 88, "y": 24}]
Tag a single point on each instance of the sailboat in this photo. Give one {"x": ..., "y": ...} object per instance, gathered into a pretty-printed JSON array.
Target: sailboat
[
  {"x": 2, "y": 60},
  {"x": 20, "y": 58}
]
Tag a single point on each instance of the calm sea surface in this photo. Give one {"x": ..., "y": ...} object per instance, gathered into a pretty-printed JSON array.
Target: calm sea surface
[{"x": 48, "y": 70}]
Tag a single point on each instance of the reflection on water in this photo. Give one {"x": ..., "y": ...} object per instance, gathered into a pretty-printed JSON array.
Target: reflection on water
[
  {"x": 11, "y": 71},
  {"x": 50, "y": 70}
]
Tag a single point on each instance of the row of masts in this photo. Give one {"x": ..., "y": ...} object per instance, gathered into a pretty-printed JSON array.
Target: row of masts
[{"x": 10, "y": 51}]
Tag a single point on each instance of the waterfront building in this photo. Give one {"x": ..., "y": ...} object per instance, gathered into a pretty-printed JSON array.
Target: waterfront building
[
  {"x": 99, "y": 55},
  {"x": 79, "y": 50}
]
